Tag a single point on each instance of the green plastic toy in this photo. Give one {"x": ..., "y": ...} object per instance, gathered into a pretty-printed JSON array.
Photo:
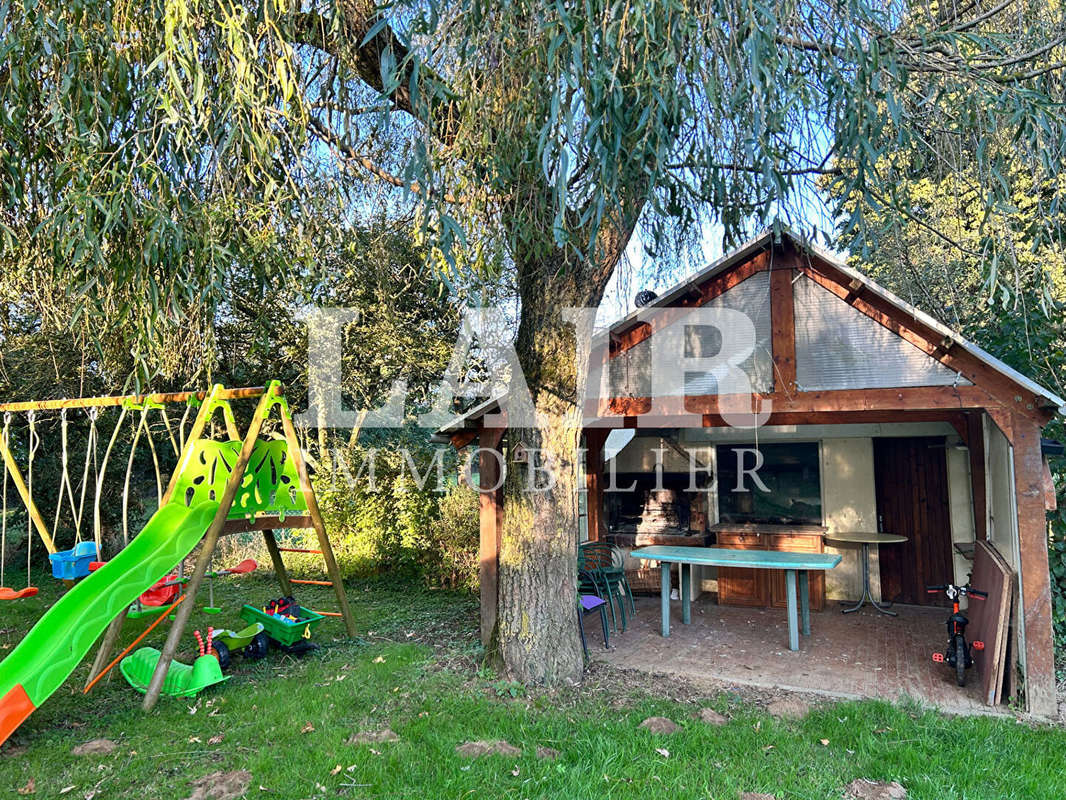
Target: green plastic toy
[
  {"x": 284, "y": 632},
  {"x": 251, "y": 640},
  {"x": 181, "y": 681}
]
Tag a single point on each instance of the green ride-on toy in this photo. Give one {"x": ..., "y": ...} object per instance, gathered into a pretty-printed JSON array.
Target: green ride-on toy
[
  {"x": 251, "y": 642},
  {"x": 182, "y": 680}
]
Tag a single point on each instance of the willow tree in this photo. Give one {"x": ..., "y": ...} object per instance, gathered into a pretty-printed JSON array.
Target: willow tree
[{"x": 153, "y": 144}]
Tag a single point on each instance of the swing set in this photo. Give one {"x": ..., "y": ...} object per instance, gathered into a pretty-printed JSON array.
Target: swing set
[
  {"x": 76, "y": 562},
  {"x": 239, "y": 484}
]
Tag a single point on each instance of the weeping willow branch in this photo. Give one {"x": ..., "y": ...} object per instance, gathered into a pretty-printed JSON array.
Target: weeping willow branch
[{"x": 349, "y": 153}]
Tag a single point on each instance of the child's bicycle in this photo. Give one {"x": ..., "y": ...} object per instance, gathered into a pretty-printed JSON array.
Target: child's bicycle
[{"x": 958, "y": 653}]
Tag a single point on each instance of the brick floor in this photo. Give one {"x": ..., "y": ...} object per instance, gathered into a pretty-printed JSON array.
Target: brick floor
[{"x": 863, "y": 654}]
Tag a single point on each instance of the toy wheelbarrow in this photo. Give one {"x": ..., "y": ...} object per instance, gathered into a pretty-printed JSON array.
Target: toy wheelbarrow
[{"x": 251, "y": 641}]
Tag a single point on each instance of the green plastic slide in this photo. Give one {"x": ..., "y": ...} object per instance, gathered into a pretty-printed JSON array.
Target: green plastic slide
[{"x": 63, "y": 636}]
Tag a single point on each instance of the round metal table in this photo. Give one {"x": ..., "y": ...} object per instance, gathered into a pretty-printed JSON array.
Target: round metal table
[{"x": 866, "y": 539}]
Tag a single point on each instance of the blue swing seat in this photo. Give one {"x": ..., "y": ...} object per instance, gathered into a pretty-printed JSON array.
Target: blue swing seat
[{"x": 68, "y": 565}]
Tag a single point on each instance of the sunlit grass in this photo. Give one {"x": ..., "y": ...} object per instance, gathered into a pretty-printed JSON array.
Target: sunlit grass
[{"x": 415, "y": 670}]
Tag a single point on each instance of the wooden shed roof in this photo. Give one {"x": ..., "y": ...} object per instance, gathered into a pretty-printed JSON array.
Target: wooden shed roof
[{"x": 851, "y": 285}]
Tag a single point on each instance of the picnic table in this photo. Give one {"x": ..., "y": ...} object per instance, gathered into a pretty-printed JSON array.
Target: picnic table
[{"x": 795, "y": 565}]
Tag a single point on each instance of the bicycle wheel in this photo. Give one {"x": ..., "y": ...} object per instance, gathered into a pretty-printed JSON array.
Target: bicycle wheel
[{"x": 960, "y": 661}]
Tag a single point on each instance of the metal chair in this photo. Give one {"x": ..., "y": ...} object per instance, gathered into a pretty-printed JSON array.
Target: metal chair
[
  {"x": 587, "y": 603},
  {"x": 603, "y": 564}
]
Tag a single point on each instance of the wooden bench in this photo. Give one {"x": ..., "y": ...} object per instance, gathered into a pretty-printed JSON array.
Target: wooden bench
[{"x": 796, "y": 567}]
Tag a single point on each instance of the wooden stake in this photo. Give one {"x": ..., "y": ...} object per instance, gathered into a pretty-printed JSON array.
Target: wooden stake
[
  {"x": 114, "y": 630},
  {"x": 93, "y": 681}
]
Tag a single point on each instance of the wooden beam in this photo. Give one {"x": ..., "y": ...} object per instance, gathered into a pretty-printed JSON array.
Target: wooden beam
[
  {"x": 783, "y": 329},
  {"x": 874, "y": 417},
  {"x": 137, "y": 399},
  {"x": 111, "y": 637},
  {"x": 461, "y": 440},
  {"x": 490, "y": 515},
  {"x": 920, "y": 398},
  {"x": 594, "y": 441},
  {"x": 296, "y": 454},
  {"x": 279, "y": 563},
  {"x": 210, "y": 541},
  {"x": 975, "y": 440},
  {"x": 267, "y": 523},
  {"x": 1033, "y": 568}
]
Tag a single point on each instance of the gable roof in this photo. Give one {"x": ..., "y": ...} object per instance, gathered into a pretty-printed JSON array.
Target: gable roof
[
  {"x": 768, "y": 238},
  {"x": 762, "y": 242}
]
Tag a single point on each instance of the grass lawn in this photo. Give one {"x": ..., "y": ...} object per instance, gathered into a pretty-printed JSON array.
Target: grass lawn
[{"x": 416, "y": 671}]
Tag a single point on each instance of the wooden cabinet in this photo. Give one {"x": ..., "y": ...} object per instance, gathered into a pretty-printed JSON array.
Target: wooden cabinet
[
  {"x": 763, "y": 587},
  {"x": 742, "y": 587}
]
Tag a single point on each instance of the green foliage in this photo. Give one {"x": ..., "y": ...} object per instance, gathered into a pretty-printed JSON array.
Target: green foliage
[
  {"x": 393, "y": 526},
  {"x": 151, "y": 148},
  {"x": 1057, "y": 560},
  {"x": 991, "y": 277},
  {"x": 452, "y": 545},
  {"x": 407, "y": 323}
]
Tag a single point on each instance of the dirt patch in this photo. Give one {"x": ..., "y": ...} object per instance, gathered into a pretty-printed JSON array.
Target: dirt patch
[
  {"x": 788, "y": 708},
  {"x": 659, "y": 725},
  {"x": 494, "y": 747},
  {"x": 757, "y": 796},
  {"x": 864, "y": 789},
  {"x": 373, "y": 737},
  {"x": 547, "y": 753},
  {"x": 221, "y": 786},
  {"x": 11, "y": 750},
  {"x": 97, "y": 747},
  {"x": 623, "y": 687},
  {"x": 711, "y": 717}
]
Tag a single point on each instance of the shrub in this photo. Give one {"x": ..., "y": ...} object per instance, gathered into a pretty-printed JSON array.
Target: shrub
[{"x": 450, "y": 557}]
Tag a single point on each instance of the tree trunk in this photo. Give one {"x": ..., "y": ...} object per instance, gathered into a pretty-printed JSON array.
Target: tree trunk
[{"x": 536, "y": 636}]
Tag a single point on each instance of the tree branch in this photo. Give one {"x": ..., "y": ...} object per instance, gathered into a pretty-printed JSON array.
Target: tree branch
[
  {"x": 349, "y": 153},
  {"x": 821, "y": 169},
  {"x": 438, "y": 106}
]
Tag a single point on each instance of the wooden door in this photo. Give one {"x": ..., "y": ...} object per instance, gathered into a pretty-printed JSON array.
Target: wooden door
[{"x": 912, "y": 500}]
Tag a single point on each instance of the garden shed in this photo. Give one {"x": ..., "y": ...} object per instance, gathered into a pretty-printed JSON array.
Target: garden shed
[{"x": 881, "y": 420}]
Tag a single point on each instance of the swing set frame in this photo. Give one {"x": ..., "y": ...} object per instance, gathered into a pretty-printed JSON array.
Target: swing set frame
[{"x": 218, "y": 398}]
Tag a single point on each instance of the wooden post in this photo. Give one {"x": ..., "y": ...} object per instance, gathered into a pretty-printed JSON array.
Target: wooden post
[
  {"x": 490, "y": 512},
  {"x": 316, "y": 521},
  {"x": 233, "y": 483},
  {"x": 114, "y": 630},
  {"x": 783, "y": 329},
  {"x": 279, "y": 564},
  {"x": 975, "y": 440},
  {"x": 594, "y": 440},
  {"x": 1033, "y": 568}
]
